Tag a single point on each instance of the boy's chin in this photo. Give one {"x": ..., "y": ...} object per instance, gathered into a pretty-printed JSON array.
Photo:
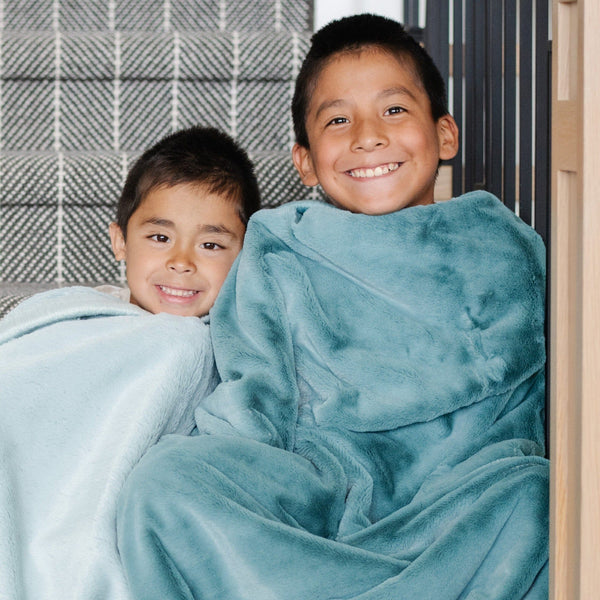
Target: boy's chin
[
  {"x": 375, "y": 209},
  {"x": 178, "y": 311},
  {"x": 380, "y": 205}
]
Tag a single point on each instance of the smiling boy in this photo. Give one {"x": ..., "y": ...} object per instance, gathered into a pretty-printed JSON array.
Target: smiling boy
[
  {"x": 369, "y": 135},
  {"x": 181, "y": 220},
  {"x": 90, "y": 382},
  {"x": 378, "y": 429}
]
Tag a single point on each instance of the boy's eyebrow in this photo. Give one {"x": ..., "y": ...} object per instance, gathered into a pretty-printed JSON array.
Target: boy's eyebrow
[
  {"x": 215, "y": 229},
  {"x": 208, "y": 228},
  {"x": 400, "y": 89},
  {"x": 158, "y": 221},
  {"x": 328, "y": 104}
]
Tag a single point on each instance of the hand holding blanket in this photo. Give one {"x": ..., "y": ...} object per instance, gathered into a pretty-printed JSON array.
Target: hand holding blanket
[
  {"x": 87, "y": 384},
  {"x": 378, "y": 432}
]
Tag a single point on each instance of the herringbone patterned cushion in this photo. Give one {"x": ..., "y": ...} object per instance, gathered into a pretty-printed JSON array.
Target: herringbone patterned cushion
[
  {"x": 124, "y": 90},
  {"x": 158, "y": 15}
]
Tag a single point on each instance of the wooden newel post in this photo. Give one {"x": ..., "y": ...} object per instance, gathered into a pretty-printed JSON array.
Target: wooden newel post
[{"x": 575, "y": 301}]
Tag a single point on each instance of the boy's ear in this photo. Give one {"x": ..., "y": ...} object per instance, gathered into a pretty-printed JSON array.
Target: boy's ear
[
  {"x": 117, "y": 240},
  {"x": 447, "y": 136},
  {"x": 304, "y": 165}
]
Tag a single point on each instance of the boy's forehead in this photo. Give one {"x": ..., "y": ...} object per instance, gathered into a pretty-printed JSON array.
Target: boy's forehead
[
  {"x": 167, "y": 188},
  {"x": 338, "y": 62},
  {"x": 200, "y": 190},
  {"x": 166, "y": 199}
]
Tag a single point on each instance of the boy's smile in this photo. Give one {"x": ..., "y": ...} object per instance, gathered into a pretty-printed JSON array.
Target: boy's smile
[
  {"x": 180, "y": 245},
  {"x": 378, "y": 171},
  {"x": 374, "y": 146}
]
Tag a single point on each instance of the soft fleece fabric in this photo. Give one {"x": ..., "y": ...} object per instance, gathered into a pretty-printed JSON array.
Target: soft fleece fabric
[
  {"x": 87, "y": 384},
  {"x": 378, "y": 433}
]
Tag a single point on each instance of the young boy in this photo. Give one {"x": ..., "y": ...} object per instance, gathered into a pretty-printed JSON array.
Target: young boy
[
  {"x": 181, "y": 220},
  {"x": 371, "y": 122},
  {"x": 90, "y": 382},
  {"x": 378, "y": 429}
]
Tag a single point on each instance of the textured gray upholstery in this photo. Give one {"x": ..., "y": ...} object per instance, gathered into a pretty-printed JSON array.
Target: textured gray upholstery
[{"x": 86, "y": 85}]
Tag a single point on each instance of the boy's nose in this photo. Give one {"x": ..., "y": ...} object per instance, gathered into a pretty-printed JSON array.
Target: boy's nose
[
  {"x": 368, "y": 136},
  {"x": 180, "y": 261}
]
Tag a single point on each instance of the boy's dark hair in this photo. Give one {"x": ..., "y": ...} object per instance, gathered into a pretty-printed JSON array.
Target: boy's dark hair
[
  {"x": 199, "y": 155},
  {"x": 352, "y": 34}
]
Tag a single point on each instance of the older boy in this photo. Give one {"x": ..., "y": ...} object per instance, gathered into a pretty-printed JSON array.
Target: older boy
[
  {"x": 378, "y": 430},
  {"x": 90, "y": 382}
]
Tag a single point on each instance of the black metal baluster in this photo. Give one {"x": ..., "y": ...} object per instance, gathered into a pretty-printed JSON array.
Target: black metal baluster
[
  {"x": 525, "y": 109},
  {"x": 542, "y": 121},
  {"x": 510, "y": 106},
  {"x": 493, "y": 98},
  {"x": 457, "y": 96}
]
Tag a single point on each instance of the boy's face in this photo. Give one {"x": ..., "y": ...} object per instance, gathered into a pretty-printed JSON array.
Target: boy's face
[
  {"x": 181, "y": 243},
  {"x": 374, "y": 146}
]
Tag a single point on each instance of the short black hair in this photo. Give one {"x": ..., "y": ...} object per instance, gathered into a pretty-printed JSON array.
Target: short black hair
[
  {"x": 353, "y": 34},
  {"x": 202, "y": 156}
]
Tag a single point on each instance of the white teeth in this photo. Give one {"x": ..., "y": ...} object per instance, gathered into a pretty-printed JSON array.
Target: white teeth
[
  {"x": 174, "y": 292},
  {"x": 376, "y": 172}
]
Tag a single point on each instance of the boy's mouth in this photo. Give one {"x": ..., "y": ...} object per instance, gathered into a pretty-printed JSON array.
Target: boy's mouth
[
  {"x": 179, "y": 293},
  {"x": 374, "y": 171}
]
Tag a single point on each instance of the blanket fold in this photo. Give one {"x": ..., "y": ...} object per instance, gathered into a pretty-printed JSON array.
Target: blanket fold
[
  {"x": 379, "y": 429},
  {"x": 87, "y": 384}
]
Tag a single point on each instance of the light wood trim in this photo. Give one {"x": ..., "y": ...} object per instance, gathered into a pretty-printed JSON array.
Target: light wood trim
[
  {"x": 575, "y": 302},
  {"x": 590, "y": 291}
]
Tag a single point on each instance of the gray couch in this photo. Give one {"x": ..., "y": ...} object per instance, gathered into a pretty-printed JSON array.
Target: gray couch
[{"x": 86, "y": 85}]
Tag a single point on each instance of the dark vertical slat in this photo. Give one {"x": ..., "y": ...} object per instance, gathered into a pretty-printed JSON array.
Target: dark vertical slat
[
  {"x": 457, "y": 96},
  {"x": 510, "y": 96},
  {"x": 493, "y": 85},
  {"x": 472, "y": 133},
  {"x": 469, "y": 99},
  {"x": 437, "y": 35},
  {"x": 478, "y": 33},
  {"x": 433, "y": 43},
  {"x": 541, "y": 199},
  {"x": 415, "y": 12},
  {"x": 443, "y": 55},
  {"x": 543, "y": 224},
  {"x": 525, "y": 110},
  {"x": 411, "y": 13},
  {"x": 542, "y": 120}
]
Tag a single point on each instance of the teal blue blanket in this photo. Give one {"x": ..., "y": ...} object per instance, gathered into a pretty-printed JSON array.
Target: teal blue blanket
[{"x": 379, "y": 429}]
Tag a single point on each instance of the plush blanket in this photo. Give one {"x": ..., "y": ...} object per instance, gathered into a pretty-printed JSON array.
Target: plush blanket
[
  {"x": 87, "y": 384},
  {"x": 379, "y": 431}
]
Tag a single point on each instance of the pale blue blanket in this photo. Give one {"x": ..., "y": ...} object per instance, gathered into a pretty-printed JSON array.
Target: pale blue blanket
[
  {"x": 379, "y": 432},
  {"x": 87, "y": 384}
]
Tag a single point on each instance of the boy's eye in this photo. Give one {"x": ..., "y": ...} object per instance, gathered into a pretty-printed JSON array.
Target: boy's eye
[
  {"x": 394, "y": 110},
  {"x": 211, "y": 246},
  {"x": 159, "y": 237},
  {"x": 337, "y": 121}
]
